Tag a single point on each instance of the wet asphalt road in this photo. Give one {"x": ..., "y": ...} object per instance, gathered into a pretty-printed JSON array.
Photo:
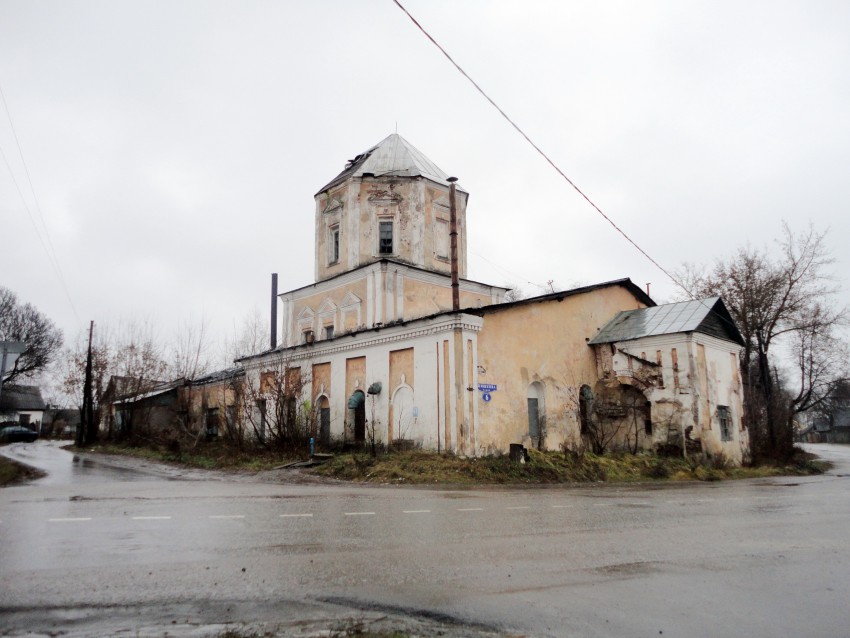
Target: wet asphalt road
[{"x": 100, "y": 549}]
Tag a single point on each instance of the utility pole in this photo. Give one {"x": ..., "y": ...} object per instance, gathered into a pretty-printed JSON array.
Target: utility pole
[
  {"x": 14, "y": 348},
  {"x": 87, "y": 433}
]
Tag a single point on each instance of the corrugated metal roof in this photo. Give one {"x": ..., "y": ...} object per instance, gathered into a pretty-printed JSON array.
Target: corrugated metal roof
[
  {"x": 393, "y": 155},
  {"x": 685, "y": 316}
]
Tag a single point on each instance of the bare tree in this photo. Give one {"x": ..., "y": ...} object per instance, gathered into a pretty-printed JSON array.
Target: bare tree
[
  {"x": 275, "y": 410},
  {"x": 250, "y": 337},
  {"x": 24, "y": 322},
  {"x": 770, "y": 298}
]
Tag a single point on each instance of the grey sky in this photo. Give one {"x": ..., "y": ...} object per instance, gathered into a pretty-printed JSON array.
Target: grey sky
[{"x": 175, "y": 147}]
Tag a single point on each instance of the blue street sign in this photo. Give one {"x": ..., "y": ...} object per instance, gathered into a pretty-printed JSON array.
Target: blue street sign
[
  {"x": 487, "y": 387},
  {"x": 486, "y": 396}
]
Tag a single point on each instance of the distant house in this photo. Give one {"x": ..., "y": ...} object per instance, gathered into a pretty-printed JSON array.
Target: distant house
[
  {"x": 60, "y": 422},
  {"x": 836, "y": 429},
  {"x": 205, "y": 405},
  {"x": 22, "y": 404}
]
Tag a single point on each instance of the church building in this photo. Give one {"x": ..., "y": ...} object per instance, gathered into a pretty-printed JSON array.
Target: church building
[{"x": 379, "y": 349}]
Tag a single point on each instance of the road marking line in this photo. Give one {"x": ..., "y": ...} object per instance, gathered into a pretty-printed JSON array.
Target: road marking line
[
  {"x": 559, "y": 507},
  {"x": 296, "y": 516},
  {"x": 68, "y": 520},
  {"x": 227, "y": 516},
  {"x": 360, "y": 513},
  {"x": 151, "y": 518},
  {"x": 518, "y": 507},
  {"x": 416, "y": 511},
  {"x": 470, "y": 509}
]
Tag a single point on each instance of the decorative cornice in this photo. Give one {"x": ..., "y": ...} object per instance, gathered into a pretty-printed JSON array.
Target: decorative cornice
[{"x": 368, "y": 339}]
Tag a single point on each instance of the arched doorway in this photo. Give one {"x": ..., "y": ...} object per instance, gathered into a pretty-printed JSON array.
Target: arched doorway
[
  {"x": 324, "y": 420},
  {"x": 357, "y": 414}
]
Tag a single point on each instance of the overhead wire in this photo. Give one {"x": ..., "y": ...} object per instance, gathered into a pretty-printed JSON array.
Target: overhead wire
[
  {"x": 47, "y": 246},
  {"x": 537, "y": 148},
  {"x": 551, "y": 162}
]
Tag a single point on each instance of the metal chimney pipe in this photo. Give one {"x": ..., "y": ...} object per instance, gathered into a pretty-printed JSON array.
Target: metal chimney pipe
[
  {"x": 453, "y": 237},
  {"x": 274, "y": 312}
]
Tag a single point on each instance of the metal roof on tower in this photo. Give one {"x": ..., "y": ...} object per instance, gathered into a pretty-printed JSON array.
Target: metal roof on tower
[{"x": 393, "y": 155}]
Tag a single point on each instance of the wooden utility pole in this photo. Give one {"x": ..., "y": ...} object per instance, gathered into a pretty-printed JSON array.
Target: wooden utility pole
[{"x": 87, "y": 432}]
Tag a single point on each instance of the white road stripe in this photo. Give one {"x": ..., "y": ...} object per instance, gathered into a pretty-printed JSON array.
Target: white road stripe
[
  {"x": 227, "y": 516},
  {"x": 518, "y": 507},
  {"x": 560, "y": 507},
  {"x": 470, "y": 509},
  {"x": 416, "y": 511},
  {"x": 151, "y": 518},
  {"x": 360, "y": 513},
  {"x": 68, "y": 520},
  {"x": 296, "y": 515}
]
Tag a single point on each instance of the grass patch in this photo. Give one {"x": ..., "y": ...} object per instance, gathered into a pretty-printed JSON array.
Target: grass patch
[
  {"x": 12, "y": 472},
  {"x": 543, "y": 467},
  {"x": 209, "y": 456},
  {"x": 419, "y": 468}
]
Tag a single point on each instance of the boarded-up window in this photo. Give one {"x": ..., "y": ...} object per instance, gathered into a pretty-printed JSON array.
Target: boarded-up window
[
  {"x": 268, "y": 381},
  {"x": 441, "y": 239}
]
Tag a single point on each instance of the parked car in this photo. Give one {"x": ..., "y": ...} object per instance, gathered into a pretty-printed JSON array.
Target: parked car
[{"x": 12, "y": 433}]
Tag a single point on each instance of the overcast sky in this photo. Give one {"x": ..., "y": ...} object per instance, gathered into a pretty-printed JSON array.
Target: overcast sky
[{"x": 175, "y": 147}]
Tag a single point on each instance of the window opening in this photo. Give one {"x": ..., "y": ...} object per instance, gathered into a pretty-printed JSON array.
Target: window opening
[
  {"x": 385, "y": 234},
  {"x": 261, "y": 408},
  {"x": 725, "y": 423},
  {"x": 212, "y": 423},
  {"x": 329, "y": 332},
  {"x": 585, "y": 402},
  {"x": 333, "y": 247}
]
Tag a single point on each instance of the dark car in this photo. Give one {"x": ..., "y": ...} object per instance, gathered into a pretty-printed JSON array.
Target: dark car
[{"x": 12, "y": 433}]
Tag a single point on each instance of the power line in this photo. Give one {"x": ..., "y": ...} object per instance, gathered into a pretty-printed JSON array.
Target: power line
[
  {"x": 49, "y": 250},
  {"x": 537, "y": 148},
  {"x": 516, "y": 127}
]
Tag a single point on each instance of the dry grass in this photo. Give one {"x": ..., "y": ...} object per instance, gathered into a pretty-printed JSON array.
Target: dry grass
[
  {"x": 543, "y": 467},
  {"x": 12, "y": 472}
]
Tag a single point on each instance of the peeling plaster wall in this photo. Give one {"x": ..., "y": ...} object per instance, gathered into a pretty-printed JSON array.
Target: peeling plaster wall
[
  {"x": 414, "y": 205},
  {"x": 541, "y": 342},
  {"x": 708, "y": 376},
  {"x": 422, "y": 351},
  {"x": 379, "y": 294}
]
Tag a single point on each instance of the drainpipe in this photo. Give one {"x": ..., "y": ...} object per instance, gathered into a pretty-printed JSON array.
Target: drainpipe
[
  {"x": 453, "y": 237},
  {"x": 461, "y": 434}
]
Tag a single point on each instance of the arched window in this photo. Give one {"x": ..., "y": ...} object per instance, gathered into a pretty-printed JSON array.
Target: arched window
[
  {"x": 401, "y": 411},
  {"x": 536, "y": 414},
  {"x": 585, "y": 407}
]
